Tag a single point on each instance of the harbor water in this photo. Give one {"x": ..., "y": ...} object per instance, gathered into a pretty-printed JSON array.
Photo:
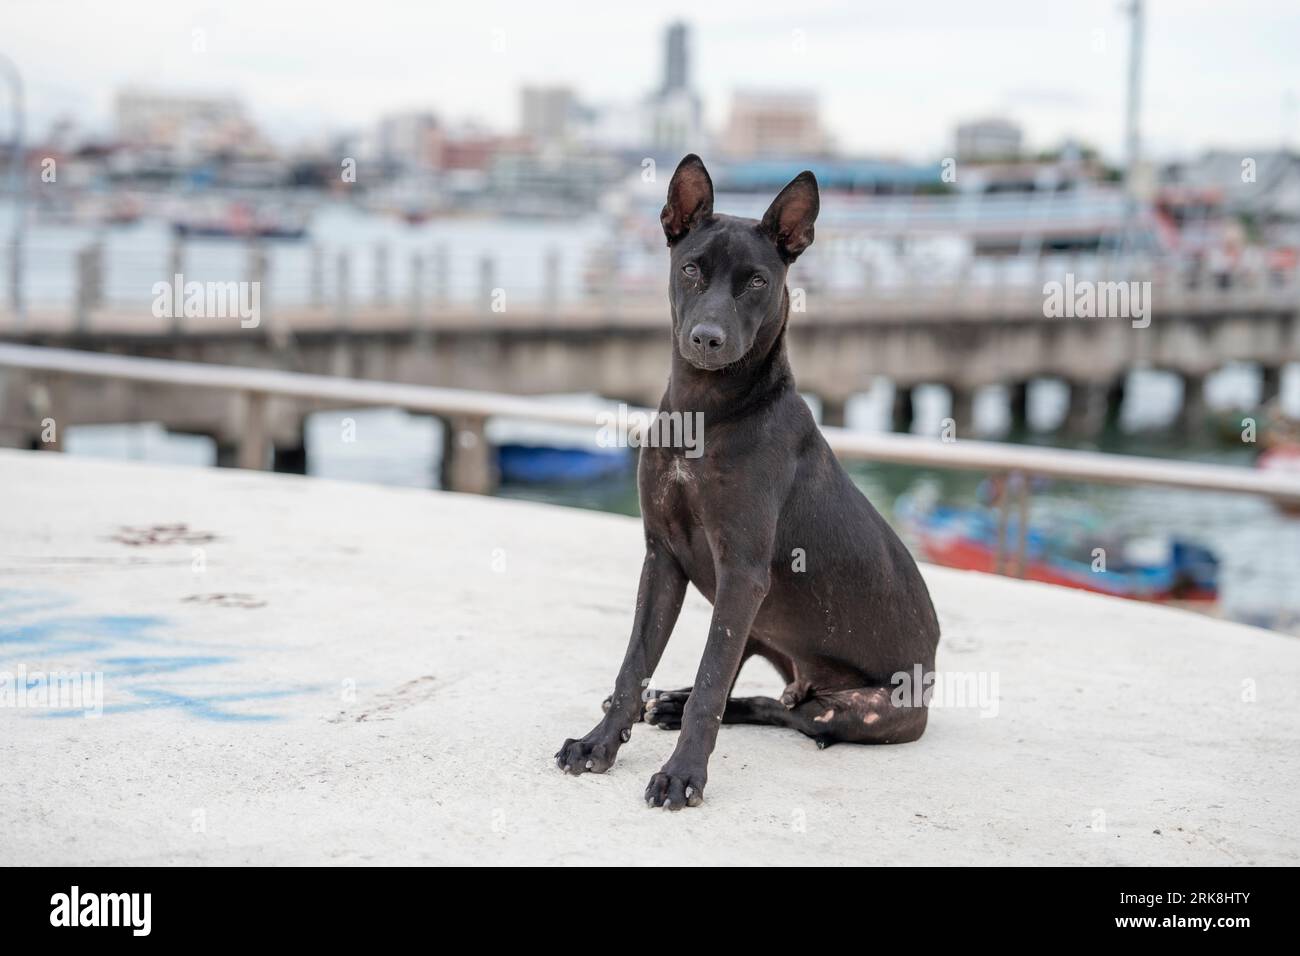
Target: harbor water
[{"x": 1259, "y": 547}]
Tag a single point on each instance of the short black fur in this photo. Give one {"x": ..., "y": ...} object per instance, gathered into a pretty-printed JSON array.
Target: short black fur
[{"x": 800, "y": 568}]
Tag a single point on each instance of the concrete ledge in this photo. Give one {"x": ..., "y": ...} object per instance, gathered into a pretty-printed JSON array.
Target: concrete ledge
[{"x": 301, "y": 671}]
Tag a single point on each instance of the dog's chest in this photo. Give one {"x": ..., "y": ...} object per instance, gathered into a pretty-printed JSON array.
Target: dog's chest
[
  {"x": 670, "y": 492},
  {"x": 677, "y": 472},
  {"x": 672, "y": 484},
  {"x": 674, "y": 509}
]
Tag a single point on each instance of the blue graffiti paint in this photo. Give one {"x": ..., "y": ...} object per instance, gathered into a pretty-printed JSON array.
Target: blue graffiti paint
[
  {"x": 46, "y": 629},
  {"x": 140, "y": 666},
  {"x": 79, "y": 634},
  {"x": 202, "y": 707}
]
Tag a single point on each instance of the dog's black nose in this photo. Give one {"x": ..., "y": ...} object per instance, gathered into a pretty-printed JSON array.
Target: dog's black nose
[{"x": 707, "y": 338}]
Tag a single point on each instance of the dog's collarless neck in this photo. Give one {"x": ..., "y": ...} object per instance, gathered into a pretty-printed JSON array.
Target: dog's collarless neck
[{"x": 753, "y": 384}]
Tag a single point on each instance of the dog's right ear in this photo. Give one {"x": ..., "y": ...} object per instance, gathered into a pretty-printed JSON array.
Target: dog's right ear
[{"x": 690, "y": 199}]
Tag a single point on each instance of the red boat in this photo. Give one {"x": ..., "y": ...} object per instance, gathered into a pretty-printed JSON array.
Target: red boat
[{"x": 1071, "y": 552}]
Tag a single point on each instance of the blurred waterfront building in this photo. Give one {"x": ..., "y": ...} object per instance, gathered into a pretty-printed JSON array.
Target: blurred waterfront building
[
  {"x": 531, "y": 183},
  {"x": 764, "y": 123},
  {"x": 988, "y": 140},
  {"x": 166, "y": 138},
  {"x": 409, "y": 141},
  {"x": 549, "y": 115},
  {"x": 1263, "y": 183},
  {"x": 1069, "y": 169},
  {"x": 1260, "y": 187},
  {"x": 187, "y": 127},
  {"x": 473, "y": 148}
]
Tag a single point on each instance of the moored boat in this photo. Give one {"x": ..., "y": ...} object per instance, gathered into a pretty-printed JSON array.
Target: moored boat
[
  {"x": 1073, "y": 551},
  {"x": 240, "y": 220},
  {"x": 539, "y": 453}
]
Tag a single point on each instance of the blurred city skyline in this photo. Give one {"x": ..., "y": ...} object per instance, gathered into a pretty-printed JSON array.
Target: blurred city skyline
[{"x": 887, "y": 79}]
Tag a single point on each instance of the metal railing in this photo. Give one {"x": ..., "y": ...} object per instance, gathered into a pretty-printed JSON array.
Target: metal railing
[
  {"x": 108, "y": 288},
  {"x": 469, "y": 410}
]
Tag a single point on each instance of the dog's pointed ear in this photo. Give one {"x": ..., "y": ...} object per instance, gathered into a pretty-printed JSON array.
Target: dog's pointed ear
[
  {"x": 690, "y": 199},
  {"x": 789, "y": 220}
]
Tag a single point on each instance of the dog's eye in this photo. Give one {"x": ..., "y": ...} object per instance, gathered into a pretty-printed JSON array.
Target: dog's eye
[
  {"x": 757, "y": 282},
  {"x": 691, "y": 270}
]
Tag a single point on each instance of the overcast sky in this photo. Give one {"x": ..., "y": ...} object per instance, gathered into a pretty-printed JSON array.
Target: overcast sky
[{"x": 893, "y": 77}]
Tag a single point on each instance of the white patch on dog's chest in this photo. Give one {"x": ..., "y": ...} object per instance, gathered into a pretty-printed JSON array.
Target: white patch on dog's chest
[{"x": 675, "y": 476}]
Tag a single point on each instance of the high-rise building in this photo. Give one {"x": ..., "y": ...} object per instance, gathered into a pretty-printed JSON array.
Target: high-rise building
[
  {"x": 676, "y": 58},
  {"x": 547, "y": 113},
  {"x": 765, "y": 123},
  {"x": 674, "y": 114}
]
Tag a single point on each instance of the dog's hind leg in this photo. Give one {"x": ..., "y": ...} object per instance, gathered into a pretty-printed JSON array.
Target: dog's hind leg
[
  {"x": 752, "y": 648},
  {"x": 861, "y": 715},
  {"x": 664, "y": 708}
]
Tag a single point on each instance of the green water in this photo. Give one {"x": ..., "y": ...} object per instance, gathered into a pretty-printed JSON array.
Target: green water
[{"x": 1258, "y": 546}]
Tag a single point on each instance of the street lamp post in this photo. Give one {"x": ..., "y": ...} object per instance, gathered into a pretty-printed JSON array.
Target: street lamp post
[{"x": 18, "y": 188}]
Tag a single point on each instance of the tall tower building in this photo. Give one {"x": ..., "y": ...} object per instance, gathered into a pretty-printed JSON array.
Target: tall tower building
[
  {"x": 674, "y": 111},
  {"x": 676, "y": 58}
]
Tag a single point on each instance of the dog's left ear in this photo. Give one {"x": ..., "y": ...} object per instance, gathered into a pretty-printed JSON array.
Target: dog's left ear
[{"x": 789, "y": 220}]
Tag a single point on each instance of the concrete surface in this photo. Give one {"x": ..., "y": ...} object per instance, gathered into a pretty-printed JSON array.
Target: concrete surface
[{"x": 300, "y": 671}]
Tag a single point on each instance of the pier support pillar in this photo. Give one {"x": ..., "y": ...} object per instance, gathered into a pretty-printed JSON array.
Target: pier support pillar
[
  {"x": 254, "y": 442},
  {"x": 467, "y": 460},
  {"x": 833, "y": 412},
  {"x": 1018, "y": 401},
  {"x": 1270, "y": 383},
  {"x": 48, "y": 403},
  {"x": 962, "y": 409},
  {"x": 1086, "y": 414},
  {"x": 902, "y": 414},
  {"x": 290, "y": 459},
  {"x": 18, "y": 437},
  {"x": 1191, "y": 414},
  {"x": 1116, "y": 393},
  {"x": 340, "y": 358}
]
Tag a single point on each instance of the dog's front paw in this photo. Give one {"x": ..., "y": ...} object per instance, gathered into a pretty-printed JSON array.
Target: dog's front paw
[
  {"x": 675, "y": 790},
  {"x": 594, "y": 753}
]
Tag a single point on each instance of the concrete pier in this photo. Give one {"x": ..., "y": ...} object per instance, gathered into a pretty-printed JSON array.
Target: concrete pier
[
  {"x": 303, "y": 671},
  {"x": 614, "y": 342}
]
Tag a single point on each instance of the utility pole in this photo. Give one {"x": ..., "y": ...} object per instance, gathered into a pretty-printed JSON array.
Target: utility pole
[
  {"x": 1132, "y": 136},
  {"x": 18, "y": 190}
]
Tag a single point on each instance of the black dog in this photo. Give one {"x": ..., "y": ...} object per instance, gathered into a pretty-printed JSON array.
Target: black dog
[{"x": 800, "y": 568}]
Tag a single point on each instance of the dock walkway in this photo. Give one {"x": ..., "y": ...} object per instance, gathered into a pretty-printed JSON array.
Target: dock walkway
[{"x": 302, "y": 671}]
